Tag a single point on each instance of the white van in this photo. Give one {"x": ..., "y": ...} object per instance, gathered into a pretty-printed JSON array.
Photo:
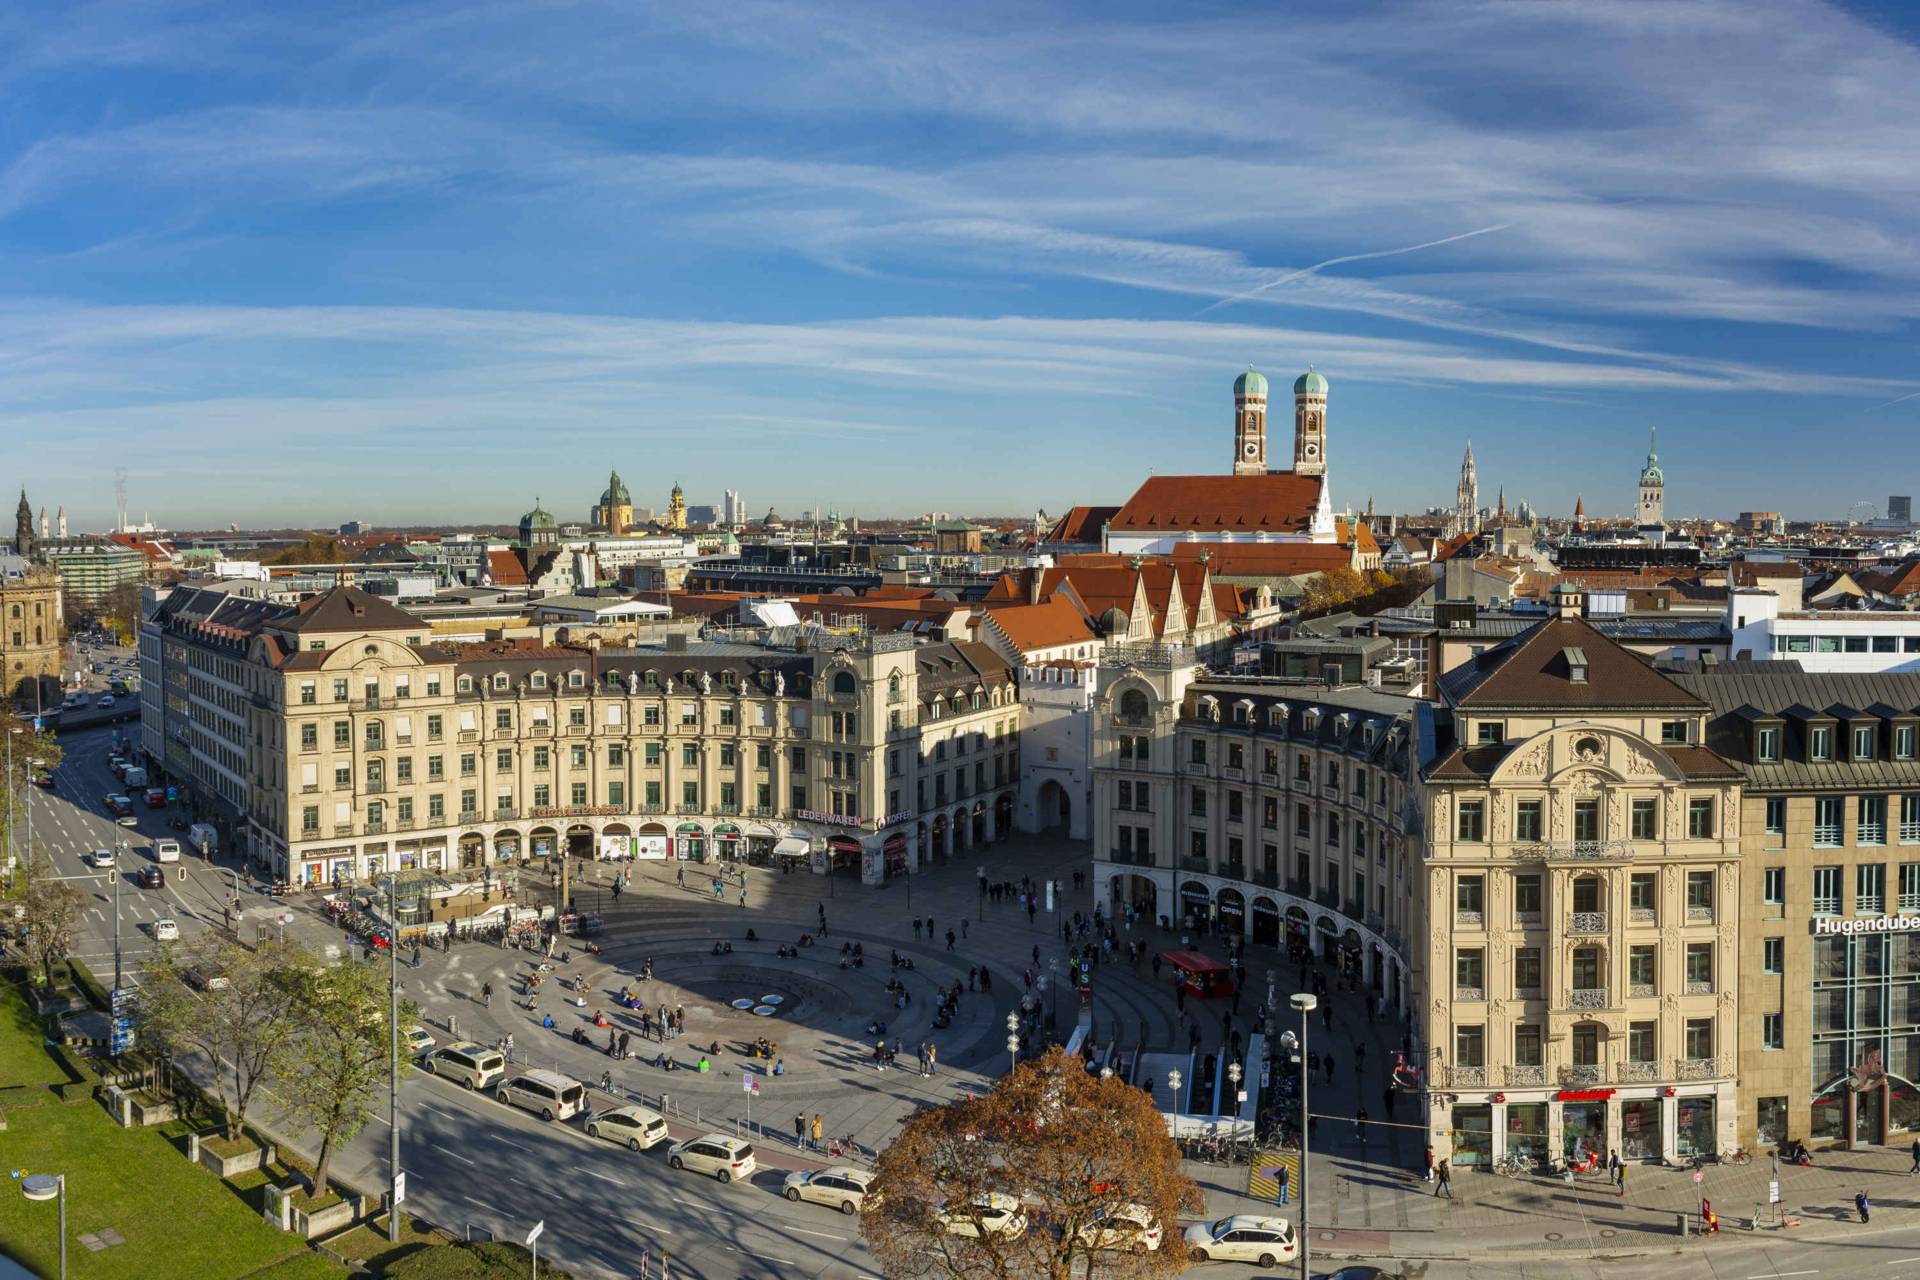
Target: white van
[
  {"x": 473, "y": 1065},
  {"x": 166, "y": 850},
  {"x": 547, "y": 1094}
]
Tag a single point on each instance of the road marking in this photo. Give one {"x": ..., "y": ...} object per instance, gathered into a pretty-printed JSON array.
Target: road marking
[
  {"x": 426, "y": 1106},
  {"x": 822, "y": 1234},
  {"x": 509, "y": 1142},
  {"x": 483, "y": 1204},
  {"x": 1781, "y": 1275},
  {"x": 1894, "y": 1262},
  {"x": 453, "y": 1155},
  {"x": 765, "y": 1257},
  {"x": 591, "y": 1173}
]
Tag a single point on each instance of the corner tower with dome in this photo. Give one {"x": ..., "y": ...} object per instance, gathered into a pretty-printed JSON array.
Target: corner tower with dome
[
  {"x": 1251, "y": 504},
  {"x": 1653, "y": 488}
]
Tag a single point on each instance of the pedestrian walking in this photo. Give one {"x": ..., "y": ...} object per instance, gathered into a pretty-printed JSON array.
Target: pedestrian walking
[
  {"x": 416, "y": 964},
  {"x": 680, "y": 877},
  {"x": 916, "y": 928},
  {"x": 1443, "y": 1181},
  {"x": 1861, "y": 1203},
  {"x": 950, "y": 939},
  {"x": 743, "y": 899},
  {"x": 1282, "y": 1179},
  {"x": 1360, "y": 1124},
  {"x": 799, "y": 1129},
  {"x": 1427, "y": 1156},
  {"x": 1620, "y": 1180},
  {"x": 963, "y": 929},
  {"x": 1916, "y": 1158},
  {"x": 817, "y": 1130},
  {"x": 1327, "y": 1062},
  {"x": 486, "y": 995},
  {"x": 933, "y": 1058}
]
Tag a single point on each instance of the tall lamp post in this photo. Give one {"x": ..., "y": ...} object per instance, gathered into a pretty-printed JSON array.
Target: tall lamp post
[
  {"x": 393, "y": 1067},
  {"x": 120, "y": 856},
  {"x": 49, "y": 1186},
  {"x": 12, "y": 802},
  {"x": 1013, "y": 1042},
  {"x": 1305, "y": 1002}
]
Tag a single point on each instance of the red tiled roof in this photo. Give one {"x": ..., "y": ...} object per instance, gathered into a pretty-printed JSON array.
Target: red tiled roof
[
  {"x": 1360, "y": 533},
  {"x": 1081, "y": 524},
  {"x": 1281, "y": 502},
  {"x": 1264, "y": 560},
  {"x": 506, "y": 569},
  {"x": 1051, "y": 623}
]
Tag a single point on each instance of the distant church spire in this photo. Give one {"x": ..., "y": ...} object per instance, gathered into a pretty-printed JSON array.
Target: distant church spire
[{"x": 23, "y": 526}]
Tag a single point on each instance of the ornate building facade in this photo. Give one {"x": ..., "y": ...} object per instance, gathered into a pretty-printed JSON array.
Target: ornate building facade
[
  {"x": 1578, "y": 943},
  {"x": 1652, "y": 509},
  {"x": 614, "y": 513}
]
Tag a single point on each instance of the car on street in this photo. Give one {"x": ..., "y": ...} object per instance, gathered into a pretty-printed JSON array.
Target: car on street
[
  {"x": 204, "y": 977},
  {"x": 151, "y": 877},
  {"x": 547, "y": 1094},
  {"x": 100, "y": 858},
  {"x": 43, "y": 781},
  {"x": 1244, "y": 1237},
  {"x": 993, "y": 1214},
  {"x": 727, "y": 1159},
  {"x": 166, "y": 849},
  {"x": 419, "y": 1040},
  {"x": 166, "y": 930},
  {"x": 156, "y": 797},
  {"x": 843, "y": 1188},
  {"x": 104, "y": 700},
  {"x": 635, "y": 1128},
  {"x": 116, "y": 804},
  {"x": 1360, "y": 1273},
  {"x": 473, "y": 1065},
  {"x": 1130, "y": 1227}
]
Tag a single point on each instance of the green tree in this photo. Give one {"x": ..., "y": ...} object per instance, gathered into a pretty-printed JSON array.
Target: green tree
[
  {"x": 338, "y": 1058},
  {"x": 1076, "y": 1150},
  {"x": 52, "y": 912},
  {"x": 248, "y": 1025},
  {"x": 28, "y": 747},
  {"x": 315, "y": 548}
]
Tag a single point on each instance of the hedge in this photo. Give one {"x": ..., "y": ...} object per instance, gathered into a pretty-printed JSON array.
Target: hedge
[
  {"x": 75, "y": 1064},
  {"x": 468, "y": 1260},
  {"x": 89, "y": 985}
]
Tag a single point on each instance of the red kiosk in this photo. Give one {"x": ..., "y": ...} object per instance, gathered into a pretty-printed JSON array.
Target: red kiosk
[{"x": 1202, "y": 976}]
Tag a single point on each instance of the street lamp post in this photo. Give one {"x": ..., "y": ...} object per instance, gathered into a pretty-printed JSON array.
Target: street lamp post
[
  {"x": 120, "y": 855},
  {"x": 393, "y": 1067},
  {"x": 1173, "y": 1083},
  {"x": 982, "y": 871},
  {"x": 1304, "y": 1002},
  {"x": 1053, "y": 971},
  {"x": 49, "y": 1186},
  {"x": 12, "y": 801},
  {"x": 1233, "y": 1078},
  {"x": 1013, "y": 1042}
]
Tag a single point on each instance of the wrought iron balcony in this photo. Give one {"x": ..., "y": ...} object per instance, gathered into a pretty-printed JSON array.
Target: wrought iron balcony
[
  {"x": 1576, "y": 850},
  {"x": 1589, "y": 998},
  {"x": 1697, "y": 988},
  {"x": 1638, "y": 1072},
  {"x": 1470, "y": 919},
  {"x": 1641, "y": 915},
  {"x": 1583, "y": 1073},
  {"x": 1522, "y": 1076},
  {"x": 1642, "y": 990},
  {"x": 1699, "y": 915},
  {"x": 1469, "y": 995},
  {"x": 1697, "y": 1068},
  {"x": 1467, "y": 1077},
  {"x": 1588, "y": 922}
]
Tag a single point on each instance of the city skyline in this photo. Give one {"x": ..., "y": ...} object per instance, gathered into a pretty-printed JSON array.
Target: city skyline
[{"x": 798, "y": 252}]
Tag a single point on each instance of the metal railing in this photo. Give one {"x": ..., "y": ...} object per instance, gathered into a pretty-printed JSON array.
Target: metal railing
[
  {"x": 1583, "y": 1073},
  {"x": 1576, "y": 850},
  {"x": 1588, "y": 922},
  {"x": 1520, "y": 1076},
  {"x": 1588, "y": 998},
  {"x": 1697, "y": 1068}
]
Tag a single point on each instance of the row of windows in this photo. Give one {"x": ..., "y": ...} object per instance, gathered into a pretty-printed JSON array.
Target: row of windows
[
  {"x": 1869, "y": 824},
  {"x": 1588, "y": 972},
  {"x": 1845, "y": 644},
  {"x": 1863, "y": 742},
  {"x": 1588, "y": 894},
  {"x": 1529, "y": 1043},
  {"x": 1869, "y": 888},
  {"x": 1529, "y": 820}
]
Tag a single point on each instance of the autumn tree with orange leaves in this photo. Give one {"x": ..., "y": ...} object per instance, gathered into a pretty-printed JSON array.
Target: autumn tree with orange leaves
[{"x": 1075, "y": 1150}]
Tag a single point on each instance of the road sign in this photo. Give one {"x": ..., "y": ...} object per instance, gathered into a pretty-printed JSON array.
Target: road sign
[
  {"x": 534, "y": 1234},
  {"x": 1773, "y": 1192},
  {"x": 746, "y": 1082},
  {"x": 400, "y": 1187},
  {"x": 1699, "y": 1175}
]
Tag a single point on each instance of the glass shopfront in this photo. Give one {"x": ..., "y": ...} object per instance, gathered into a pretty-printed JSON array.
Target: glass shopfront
[
  {"x": 1693, "y": 1128},
  {"x": 1527, "y": 1130},
  {"x": 1866, "y": 1012},
  {"x": 1770, "y": 1124},
  {"x": 1640, "y": 1129},
  {"x": 1583, "y": 1130},
  {"x": 1473, "y": 1135}
]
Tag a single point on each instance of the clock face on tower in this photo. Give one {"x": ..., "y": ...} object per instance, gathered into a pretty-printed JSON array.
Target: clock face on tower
[
  {"x": 1312, "y": 450},
  {"x": 1252, "y": 449}
]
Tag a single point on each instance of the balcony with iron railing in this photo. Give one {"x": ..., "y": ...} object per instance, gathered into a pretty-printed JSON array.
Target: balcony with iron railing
[
  {"x": 1637, "y": 1072},
  {"x": 1588, "y": 998},
  {"x": 1699, "y": 915},
  {"x": 1588, "y": 922},
  {"x": 1642, "y": 990},
  {"x": 1459, "y": 1077},
  {"x": 1575, "y": 850},
  {"x": 1469, "y": 995},
  {"x": 1523, "y": 1075},
  {"x": 1699, "y": 987},
  {"x": 1583, "y": 1073},
  {"x": 1696, "y": 1068}
]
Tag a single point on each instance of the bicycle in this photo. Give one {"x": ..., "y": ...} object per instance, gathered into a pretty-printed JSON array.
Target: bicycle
[
  {"x": 1739, "y": 1155},
  {"x": 1514, "y": 1165}
]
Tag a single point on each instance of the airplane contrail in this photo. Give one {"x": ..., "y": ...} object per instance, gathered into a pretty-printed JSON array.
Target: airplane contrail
[
  {"x": 1291, "y": 276},
  {"x": 1902, "y": 400}
]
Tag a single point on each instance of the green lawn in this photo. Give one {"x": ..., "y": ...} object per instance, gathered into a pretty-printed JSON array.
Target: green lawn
[
  {"x": 23, "y": 1058},
  {"x": 177, "y": 1218}
]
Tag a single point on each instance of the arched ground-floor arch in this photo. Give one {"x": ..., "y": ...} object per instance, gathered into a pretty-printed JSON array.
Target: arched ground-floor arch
[
  {"x": 1003, "y": 816},
  {"x": 580, "y": 841},
  {"x": 1266, "y": 922}
]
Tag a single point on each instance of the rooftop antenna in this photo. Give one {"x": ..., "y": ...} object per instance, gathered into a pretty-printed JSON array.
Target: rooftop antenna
[{"x": 119, "y": 499}]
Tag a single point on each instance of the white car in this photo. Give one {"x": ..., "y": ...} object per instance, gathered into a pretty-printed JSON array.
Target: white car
[
  {"x": 635, "y": 1128},
  {"x": 106, "y": 700},
  {"x": 1244, "y": 1237},
  {"x": 100, "y": 858},
  {"x": 725, "y": 1158},
  {"x": 993, "y": 1214},
  {"x": 1130, "y": 1226},
  {"x": 843, "y": 1188},
  {"x": 165, "y": 930},
  {"x": 419, "y": 1040}
]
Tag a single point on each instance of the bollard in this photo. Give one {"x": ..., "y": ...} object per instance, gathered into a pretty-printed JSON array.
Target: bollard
[
  {"x": 453, "y": 1025},
  {"x": 1684, "y": 1223}
]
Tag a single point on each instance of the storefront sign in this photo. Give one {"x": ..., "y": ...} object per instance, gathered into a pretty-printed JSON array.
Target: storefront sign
[
  {"x": 1583, "y": 1095},
  {"x": 584, "y": 811},
  {"x": 1867, "y": 924},
  {"x": 831, "y": 819}
]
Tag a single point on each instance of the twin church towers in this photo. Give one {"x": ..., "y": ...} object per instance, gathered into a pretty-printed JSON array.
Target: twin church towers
[{"x": 1250, "y": 424}]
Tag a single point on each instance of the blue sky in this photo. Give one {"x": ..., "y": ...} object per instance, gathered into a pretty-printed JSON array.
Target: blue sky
[{"x": 419, "y": 263}]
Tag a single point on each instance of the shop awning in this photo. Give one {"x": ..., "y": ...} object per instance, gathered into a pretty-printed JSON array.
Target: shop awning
[
  {"x": 842, "y": 844},
  {"x": 793, "y": 847}
]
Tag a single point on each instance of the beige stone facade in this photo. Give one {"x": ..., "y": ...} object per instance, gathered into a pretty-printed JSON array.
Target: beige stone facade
[
  {"x": 30, "y": 634},
  {"x": 366, "y": 749},
  {"x": 1578, "y": 951}
]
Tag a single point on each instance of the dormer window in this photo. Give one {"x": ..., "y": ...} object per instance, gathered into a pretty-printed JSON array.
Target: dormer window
[
  {"x": 463, "y": 684},
  {"x": 539, "y": 680},
  {"x": 1863, "y": 736},
  {"x": 1243, "y": 711},
  {"x": 1277, "y": 715},
  {"x": 1673, "y": 733},
  {"x": 1766, "y": 744},
  {"x": 1820, "y": 742},
  {"x": 500, "y": 681},
  {"x": 1576, "y": 664},
  {"x": 576, "y": 679},
  {"x": 1903, "y": 741},
  {"x": 1490, "y": 733}
]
